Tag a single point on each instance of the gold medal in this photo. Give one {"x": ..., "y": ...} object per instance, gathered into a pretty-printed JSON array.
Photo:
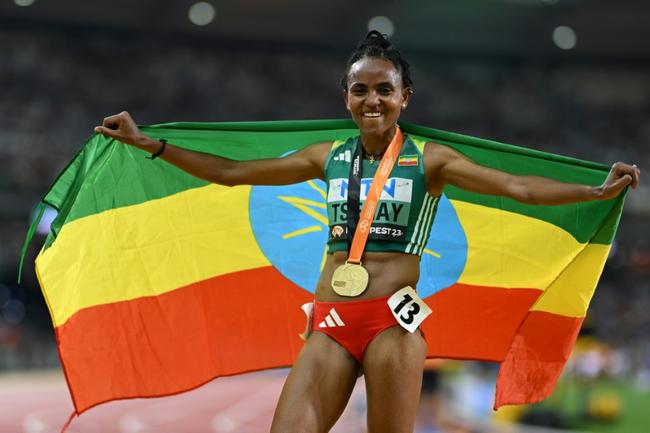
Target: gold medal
[{"x": 350, "y": 279}]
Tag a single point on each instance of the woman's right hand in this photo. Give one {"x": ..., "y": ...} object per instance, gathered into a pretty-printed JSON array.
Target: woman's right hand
[{"x": 122, "y": 127}]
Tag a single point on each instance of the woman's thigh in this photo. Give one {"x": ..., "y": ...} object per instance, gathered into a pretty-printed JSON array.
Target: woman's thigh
[
  {"x": 392, "y": 366},
  {"x": 317, "y": 388}
]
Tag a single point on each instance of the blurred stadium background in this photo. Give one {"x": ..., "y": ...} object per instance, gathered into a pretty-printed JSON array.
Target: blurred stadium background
[{"x": 565, "y": 76}]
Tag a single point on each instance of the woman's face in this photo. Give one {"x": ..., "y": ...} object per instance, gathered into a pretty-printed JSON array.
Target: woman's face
[{"x": 375, "y": 96}]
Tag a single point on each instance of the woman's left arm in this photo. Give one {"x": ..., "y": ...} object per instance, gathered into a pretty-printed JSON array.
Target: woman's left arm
[{"x": 447, "y": 166}]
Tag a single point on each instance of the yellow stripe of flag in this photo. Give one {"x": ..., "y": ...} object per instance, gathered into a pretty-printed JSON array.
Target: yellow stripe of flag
[
  {"x": 510, "y": 250},
  {"x": 158, "y": 246},
  {"x": 570, "y": 293},
  {"x": 148, "y": 249}
]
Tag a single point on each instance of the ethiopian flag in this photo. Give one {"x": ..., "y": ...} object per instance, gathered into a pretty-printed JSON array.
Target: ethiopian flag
[{"x": 158, "y": 282}]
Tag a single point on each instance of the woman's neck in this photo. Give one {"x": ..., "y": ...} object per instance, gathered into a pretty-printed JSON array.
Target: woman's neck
[{"x": 377, "y": 143}]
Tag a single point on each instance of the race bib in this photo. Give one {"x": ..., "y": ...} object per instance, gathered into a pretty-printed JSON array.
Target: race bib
[{"x": 407, "y": 307}]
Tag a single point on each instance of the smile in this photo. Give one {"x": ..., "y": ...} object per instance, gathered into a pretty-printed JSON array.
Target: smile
[{"x": 372, "y": 114}]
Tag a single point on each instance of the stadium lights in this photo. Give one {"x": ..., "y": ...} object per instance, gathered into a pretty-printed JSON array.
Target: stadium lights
[
  {"x": 382, "y": 24},
  {"x": 564, "y": 37},
  {"x": 201, "y": 13}
]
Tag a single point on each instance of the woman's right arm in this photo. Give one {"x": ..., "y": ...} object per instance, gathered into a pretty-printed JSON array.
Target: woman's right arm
[{"x": 305, "y": 164}]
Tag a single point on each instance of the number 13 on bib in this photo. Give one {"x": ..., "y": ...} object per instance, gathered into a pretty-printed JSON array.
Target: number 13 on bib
[{"x": 407, "y": 307}]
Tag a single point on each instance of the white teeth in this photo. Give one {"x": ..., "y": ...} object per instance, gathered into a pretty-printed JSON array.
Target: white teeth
[{"x": 372, "y": 114}]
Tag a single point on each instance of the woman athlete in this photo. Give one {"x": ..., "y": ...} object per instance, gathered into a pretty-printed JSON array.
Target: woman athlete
[{"x": 376, "y": 88}]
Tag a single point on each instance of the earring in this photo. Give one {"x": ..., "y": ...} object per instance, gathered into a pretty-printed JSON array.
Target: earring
[{"x": 403, "y": 106}]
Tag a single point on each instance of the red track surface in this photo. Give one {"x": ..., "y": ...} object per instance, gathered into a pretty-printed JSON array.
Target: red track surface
[{"x": 40, "y": 403}]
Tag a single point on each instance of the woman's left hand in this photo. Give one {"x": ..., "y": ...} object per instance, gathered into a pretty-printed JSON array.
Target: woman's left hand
[{"x": 620, "y": 176}]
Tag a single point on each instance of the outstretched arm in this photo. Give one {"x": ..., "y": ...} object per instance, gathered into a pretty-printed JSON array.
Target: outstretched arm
[
  {"x": 303, "y": 165},
  {"x": 447, "y": 166}
]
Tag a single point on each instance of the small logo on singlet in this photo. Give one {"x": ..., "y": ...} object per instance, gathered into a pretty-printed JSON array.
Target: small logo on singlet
[
  {"x": 343, "y": 156},
  {"x": 337, "y": 231}
]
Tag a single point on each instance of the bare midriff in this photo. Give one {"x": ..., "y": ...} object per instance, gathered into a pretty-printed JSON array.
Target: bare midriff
[{"x": 388, "y": 272}]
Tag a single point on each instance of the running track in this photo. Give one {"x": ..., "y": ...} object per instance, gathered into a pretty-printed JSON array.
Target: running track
[{"x": 40, "y": 403}]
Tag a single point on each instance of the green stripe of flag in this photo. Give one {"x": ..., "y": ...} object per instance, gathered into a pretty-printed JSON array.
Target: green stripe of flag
[{"x": 106, "y": 174}]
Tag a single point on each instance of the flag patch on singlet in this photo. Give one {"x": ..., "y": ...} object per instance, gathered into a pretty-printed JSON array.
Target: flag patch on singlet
[{"x": 406, "y": 160}]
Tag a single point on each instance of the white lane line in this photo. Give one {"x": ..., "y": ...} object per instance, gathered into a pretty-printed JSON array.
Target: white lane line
[
  {"x": 42, "y": 420},
  {"x": 153, "y": 417},
  {"x": 231, "y": 417},
  {"x": 33, "y": 424},
  {"x": 130, "y": 424},
  {"x": 160, "y": 414}
]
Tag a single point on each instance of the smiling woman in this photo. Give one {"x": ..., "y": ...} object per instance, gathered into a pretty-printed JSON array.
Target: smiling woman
[
  {"x": 375, "y": 98},
  {"x": 379, "y": 217},
  {"x": 376, "y": 87}
]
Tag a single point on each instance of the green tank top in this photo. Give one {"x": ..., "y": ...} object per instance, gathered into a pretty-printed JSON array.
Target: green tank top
[{"x": 405, "y": 210}]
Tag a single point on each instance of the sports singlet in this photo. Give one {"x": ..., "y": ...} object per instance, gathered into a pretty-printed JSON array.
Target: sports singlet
[{"x": 405, "y": 210}]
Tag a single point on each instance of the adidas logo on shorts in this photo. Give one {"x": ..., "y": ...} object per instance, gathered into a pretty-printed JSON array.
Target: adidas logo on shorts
[{"x": 332, "y": 320}]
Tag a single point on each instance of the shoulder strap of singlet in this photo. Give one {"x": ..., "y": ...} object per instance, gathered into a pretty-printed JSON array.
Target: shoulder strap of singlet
[
  {"x": 338, "y": 143},
  {"x": 419, "y": 144}
]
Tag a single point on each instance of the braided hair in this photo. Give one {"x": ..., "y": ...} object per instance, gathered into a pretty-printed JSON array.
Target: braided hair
[{"x": 374, "y": 44}]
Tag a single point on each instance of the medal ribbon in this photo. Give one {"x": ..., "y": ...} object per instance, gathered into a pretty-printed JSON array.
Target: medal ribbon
[
  {"x": 362, "y": 229},
  {"x": 354, "y": 192}
]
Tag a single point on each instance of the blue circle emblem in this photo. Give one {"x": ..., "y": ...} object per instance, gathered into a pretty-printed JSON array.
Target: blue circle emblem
[{"x": 290, "y": 225}]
